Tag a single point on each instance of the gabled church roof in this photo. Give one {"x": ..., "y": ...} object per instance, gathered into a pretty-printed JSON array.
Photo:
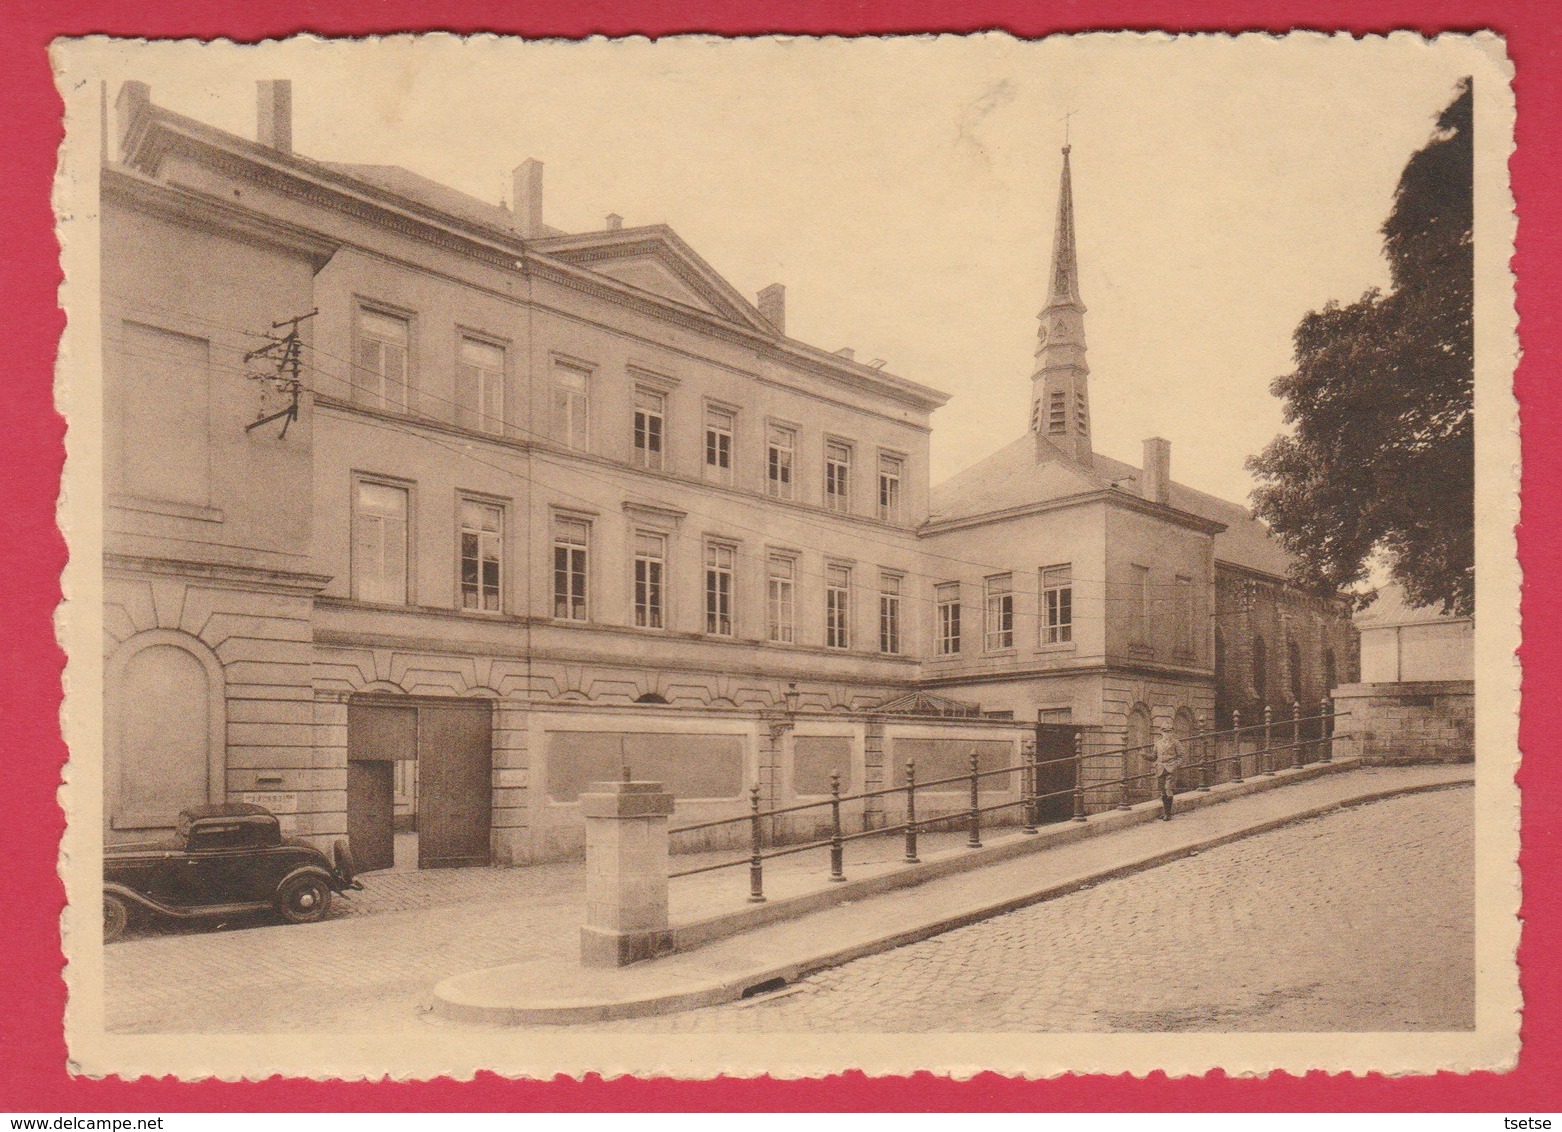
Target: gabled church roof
[{"x": 1013, "y": 478}]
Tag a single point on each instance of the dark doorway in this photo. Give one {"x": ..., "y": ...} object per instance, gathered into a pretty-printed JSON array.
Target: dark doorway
[
  {"x": 455, "y": 784},
  {"x": 444, "y": 751},
  {"x": 370, "y": 813},
  {"x": 1055, "y": 776}
]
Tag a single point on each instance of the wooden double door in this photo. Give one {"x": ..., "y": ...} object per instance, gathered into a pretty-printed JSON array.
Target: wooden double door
[{"x": 452, "y": 743}]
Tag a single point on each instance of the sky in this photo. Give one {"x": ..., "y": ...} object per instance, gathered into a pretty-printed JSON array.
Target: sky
[{"x": 905, "y": 190}]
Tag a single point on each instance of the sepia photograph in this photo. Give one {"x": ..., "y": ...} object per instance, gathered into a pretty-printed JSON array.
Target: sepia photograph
[{"x": 787, "y": 555}]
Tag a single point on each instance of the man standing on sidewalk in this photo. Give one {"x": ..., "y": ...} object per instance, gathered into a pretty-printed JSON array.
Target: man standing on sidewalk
[{"x": 1168, "y": 757}]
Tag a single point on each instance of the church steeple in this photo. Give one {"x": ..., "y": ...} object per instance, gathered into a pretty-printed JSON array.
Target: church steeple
[{"x": 1060, "y": 385}]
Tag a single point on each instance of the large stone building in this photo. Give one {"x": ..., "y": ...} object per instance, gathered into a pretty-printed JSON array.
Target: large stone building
[{"x": 555, "y": 503}]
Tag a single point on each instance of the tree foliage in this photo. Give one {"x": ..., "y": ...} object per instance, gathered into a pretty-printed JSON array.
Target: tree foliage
[{"x": 1380, "y": 458}]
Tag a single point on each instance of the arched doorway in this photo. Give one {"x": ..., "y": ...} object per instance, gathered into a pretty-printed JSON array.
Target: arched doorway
[
  {"x": 1185, "y": 724},
  {"x": 1137, "y": 737}
]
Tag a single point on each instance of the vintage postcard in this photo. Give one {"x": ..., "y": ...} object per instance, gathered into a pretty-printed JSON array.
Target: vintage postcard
[{"x": 787, "y": 555}]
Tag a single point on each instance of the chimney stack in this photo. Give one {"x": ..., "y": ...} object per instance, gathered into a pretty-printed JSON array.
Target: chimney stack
[
  {"x": 527, "y": 191},
  {"x": 772, "y": 306},
  {"x": 846, "y": 352},
  {"x": 1155, "y": 483},
  {"x": 615, "y": 222},
  {"x": 135, "y": 98},
  {"x": 274, "y": 114}
]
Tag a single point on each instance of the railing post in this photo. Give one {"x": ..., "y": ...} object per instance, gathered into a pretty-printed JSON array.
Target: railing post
[
  {"x": 1297, "y": 760},
  {"x": 837, "y": 846},
  {"x": 1208, "y": 750},
  {"x": 911, "y": 812},
  {"x": 1079, "y": 776},
  {"x": 1268, "y": 757},
  {"x": 1236, "y": 736},
  {"x": 975, "y": 840},
  {"x": 1122, "y": 783},
  {"x": 1326, "y": 725},
  {"x": 756, "y": 862},
  {"x": 1030, "y": 786}
]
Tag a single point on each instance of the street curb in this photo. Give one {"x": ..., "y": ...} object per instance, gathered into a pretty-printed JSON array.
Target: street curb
[{"x": 453, "y": 1002}]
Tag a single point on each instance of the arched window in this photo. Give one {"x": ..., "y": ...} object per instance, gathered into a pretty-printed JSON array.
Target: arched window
[
  {"x": 1260, "y": 670},
  {"x": 1139, "y": 734},
  {"x": 651, "y": 698},
  {"x": 164, "y": 722},
  {"x": 1222, "y": 693},
  {"x": 1293, "y": 658},
  {"x": 1330, "y": 673}
]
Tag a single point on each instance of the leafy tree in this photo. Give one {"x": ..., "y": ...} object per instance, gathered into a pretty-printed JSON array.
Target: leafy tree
[{"x": 1381, "y": 456}]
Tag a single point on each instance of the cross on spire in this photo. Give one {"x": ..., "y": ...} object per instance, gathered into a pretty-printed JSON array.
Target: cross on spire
[{"x": 1065, "y": 121}]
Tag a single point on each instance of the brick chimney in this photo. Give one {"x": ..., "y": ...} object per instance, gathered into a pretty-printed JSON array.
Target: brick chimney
[
  {"x": 526, "y": 183},
  {"x": 1155, "y": 482},
  {"x": 772, "y": 306},
  {"x": 274, "y": 113}
]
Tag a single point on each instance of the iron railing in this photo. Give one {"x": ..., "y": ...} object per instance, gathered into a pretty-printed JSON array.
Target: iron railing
[{"x": 1031, "y": 796}]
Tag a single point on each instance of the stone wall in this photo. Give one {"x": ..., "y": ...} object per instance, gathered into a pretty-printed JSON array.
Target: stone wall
[{"x": 1412, "y": 722}]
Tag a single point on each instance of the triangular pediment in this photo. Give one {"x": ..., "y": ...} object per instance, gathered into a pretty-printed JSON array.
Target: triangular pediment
[
  {"x": 656, "y": 261},
  {"x": 925, "y": 703}
]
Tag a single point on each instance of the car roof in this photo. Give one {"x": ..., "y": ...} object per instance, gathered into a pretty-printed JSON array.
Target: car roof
[{"x": 225, "y": 810}]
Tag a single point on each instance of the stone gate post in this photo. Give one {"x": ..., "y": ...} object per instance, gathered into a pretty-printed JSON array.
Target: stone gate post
[{"x": 626, "y": 873}]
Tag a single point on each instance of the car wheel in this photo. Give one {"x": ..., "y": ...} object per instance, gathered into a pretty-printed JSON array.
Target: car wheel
[
  {"x": 304, "y": 899},
  {"x": 342, "y": 858},
  {"x": 115, "y": 917}
]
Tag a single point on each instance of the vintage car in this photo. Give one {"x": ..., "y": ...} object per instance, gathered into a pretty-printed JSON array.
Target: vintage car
[{"x": 223, "y": 860}]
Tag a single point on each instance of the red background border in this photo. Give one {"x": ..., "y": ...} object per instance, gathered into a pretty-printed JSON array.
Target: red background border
[{"x": 32, "y": 1051}]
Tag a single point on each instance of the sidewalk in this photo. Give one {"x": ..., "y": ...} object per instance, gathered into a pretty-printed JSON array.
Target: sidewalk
[{"x": 551, "y": 987}]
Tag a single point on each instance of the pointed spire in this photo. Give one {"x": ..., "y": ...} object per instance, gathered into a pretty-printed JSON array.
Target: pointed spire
[
  {"x": 1065, "y": 260},
  {"x": 1060, "y": 386}
]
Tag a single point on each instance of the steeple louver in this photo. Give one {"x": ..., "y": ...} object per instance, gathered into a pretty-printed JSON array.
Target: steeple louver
[{"x": 1060, "y": 385}]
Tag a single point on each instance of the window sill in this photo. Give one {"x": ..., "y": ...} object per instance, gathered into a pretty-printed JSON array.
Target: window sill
[
  {"x": 1060, "y": 647},
  {"x": 166, "y": 507}
]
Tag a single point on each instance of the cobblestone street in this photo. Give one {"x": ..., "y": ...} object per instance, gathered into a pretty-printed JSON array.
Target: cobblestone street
[{"x": 1358, "y": 920}]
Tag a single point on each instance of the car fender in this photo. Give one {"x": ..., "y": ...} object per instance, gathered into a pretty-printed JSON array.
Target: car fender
[{"x": 312, "y": 870}]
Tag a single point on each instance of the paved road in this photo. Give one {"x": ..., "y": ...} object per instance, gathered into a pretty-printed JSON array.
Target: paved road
[{"x": 1358, "y": 921}]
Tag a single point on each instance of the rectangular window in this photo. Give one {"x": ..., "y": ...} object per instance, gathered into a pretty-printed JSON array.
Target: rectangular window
[
  {"x": 650, "y": 575},
  {"x": 480, "y": 385},
  {"x": 1139, "y": 605},
  {"x": 1000, "y": 613},
  {"x": 1184, "y": 615},
  {"x": 780, "y": 612},
  {"x": 571, "y": 405},
  {"x": 889, "y": 612},
  {"x": 947, "y": 601},
  {"x": 381, "y": 380},
  {"x": 1057, "y": 605},
  {"x": 650, "y": 428},
  {"x": 571, "y": 541},
  {"x": 837, "y": 607},
  {"x": 720, "y": 425},
  {"x": 891, "y": 469},
  {"x": 379, "y": 551},
  {"x": 719, "y": 561},
  {"x": 837, "y": 476},
  {"x": 780, "y": 449},
  {"x": 482, "y": 555}
]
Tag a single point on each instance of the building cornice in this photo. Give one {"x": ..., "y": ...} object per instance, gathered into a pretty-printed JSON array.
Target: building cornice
[
  {"x": 229, "y": 574},
  {"x": 1109, "y": 496}
]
